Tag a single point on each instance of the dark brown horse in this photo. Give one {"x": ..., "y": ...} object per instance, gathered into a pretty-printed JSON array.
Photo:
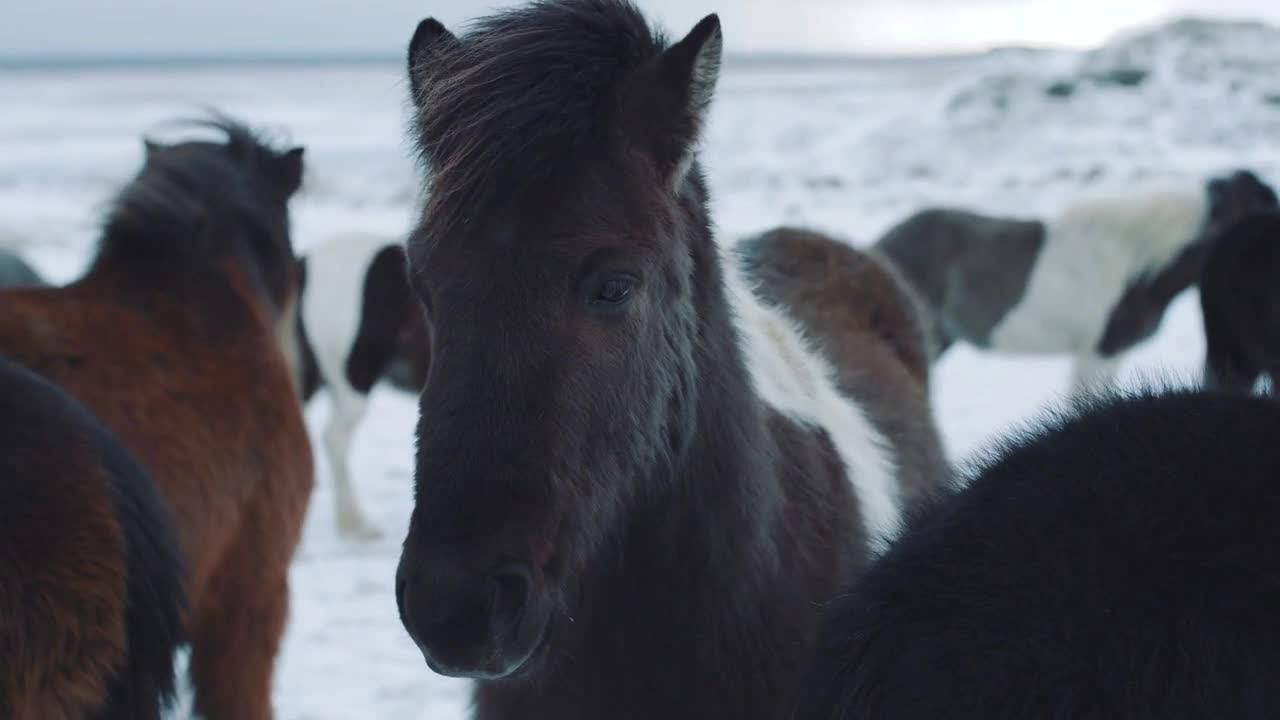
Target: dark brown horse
[
  {"x": 90, "y": 578},
  {"x": 170, "y": 338},
  {"x": 640, "y": 468}
]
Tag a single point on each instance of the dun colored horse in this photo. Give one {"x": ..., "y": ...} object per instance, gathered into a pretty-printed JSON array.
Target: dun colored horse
[
  {"x": 643, "y": 459},
  {"x": 90, "y": 578},
  {"x": 1240, "y": 299},
  {"x": 171, "y": 339},
  {"x": 1114, "y": 562},
  {"x": 1092, "y": 282}
]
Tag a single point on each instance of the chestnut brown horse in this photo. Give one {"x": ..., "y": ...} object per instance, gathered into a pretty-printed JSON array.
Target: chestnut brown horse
[
  {"x": 90, "y": 578},
  {"x": 171, "y": 339},
  {"x": 644, "y": 458}
]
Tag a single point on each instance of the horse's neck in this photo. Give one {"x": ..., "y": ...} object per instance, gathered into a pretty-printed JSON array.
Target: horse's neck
[{"x": 184, "y": 295}]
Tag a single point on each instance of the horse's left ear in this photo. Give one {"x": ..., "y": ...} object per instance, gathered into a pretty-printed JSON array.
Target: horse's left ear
[
  {"x": 288, "y": 169},
  {"x": 149, "y": 147},
  {"x": 683, "y": 85},
  {"x": 431, "y": 40}
]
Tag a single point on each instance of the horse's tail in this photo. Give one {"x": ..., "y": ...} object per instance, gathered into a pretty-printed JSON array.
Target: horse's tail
[
  {"x": 155, "y": 592},
  {"x": 90, "y": 584}
]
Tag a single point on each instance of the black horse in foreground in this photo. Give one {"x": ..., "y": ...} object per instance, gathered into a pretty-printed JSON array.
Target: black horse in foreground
[{"x": 1116, "y": 562}]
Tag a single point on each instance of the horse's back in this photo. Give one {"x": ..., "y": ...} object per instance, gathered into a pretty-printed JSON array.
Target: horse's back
[
  {"x": 970, "y": 269},
  {"x": 90, "y": 580},
  {"x": 332, "y": 303},
  {"x": 869, "y": 323},
  {"x": 1119, "y": 564},
  {"x": 355, "y": 307}
]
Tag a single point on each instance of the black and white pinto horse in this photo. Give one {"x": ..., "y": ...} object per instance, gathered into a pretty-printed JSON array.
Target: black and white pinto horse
[
  {"x": 357, "y": 323},
  {"x": 1118, "y": 561},
  {"x": 1240, "y": 300},
  {"x": 1092, "y": 282}
]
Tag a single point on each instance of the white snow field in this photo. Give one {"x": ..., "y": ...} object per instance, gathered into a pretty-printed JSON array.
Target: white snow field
[{"x": 848, "y": 146}]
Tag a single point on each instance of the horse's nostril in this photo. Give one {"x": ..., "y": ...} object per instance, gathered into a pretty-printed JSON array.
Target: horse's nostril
[{"x": 511, "y": 585}]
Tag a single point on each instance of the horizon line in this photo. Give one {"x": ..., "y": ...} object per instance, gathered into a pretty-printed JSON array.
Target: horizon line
[{"x": 238, "y": 58}]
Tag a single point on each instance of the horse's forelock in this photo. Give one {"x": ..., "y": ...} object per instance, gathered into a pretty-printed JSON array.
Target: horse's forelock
[{"x": 523, "y": 95}]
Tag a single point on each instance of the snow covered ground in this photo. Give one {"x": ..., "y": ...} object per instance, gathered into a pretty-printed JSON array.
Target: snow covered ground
[{"x": 846, "y": 146}]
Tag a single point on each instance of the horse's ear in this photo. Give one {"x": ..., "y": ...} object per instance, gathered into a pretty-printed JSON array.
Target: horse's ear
[
  {"x": 288, "y": 169},
  {"x": 149, "y": 147},
  {"x": 678, "y": 96},
  {"x": 1217, "y": 189},
  {"x": 429, "y": 44}
]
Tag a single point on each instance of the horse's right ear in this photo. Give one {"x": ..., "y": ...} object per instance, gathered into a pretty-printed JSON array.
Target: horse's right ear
[
  {"x": 431, "y": 41},
  {"x": 288, "y": 168},
  {"x": 677, "y": 96}
]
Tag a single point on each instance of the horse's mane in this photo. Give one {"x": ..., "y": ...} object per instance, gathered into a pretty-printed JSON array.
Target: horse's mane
[
  {"x": 524, "y": 94},
  {"x": 184, "y": 204}
]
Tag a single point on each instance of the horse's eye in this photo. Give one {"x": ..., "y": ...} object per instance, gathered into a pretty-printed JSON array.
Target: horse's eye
[{"x": 613, "y": 290}]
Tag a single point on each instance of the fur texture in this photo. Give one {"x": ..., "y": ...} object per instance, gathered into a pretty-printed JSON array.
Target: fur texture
[{"x": 1113, "y": 562}]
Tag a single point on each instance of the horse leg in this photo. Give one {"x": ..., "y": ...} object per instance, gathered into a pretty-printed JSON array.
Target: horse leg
[
  {"x": 1226, "y": 373},
  {"x": 1093, "y": 372},
  {"x": 235, "y": 636},
  {"x": 348, "y": 408},
  {"x": 1227, "y": 365}
]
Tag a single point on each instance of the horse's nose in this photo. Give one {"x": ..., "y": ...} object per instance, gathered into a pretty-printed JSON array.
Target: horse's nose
[{"x": 461, "y": 619}]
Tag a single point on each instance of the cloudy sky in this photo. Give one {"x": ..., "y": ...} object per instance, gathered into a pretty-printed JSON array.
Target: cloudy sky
[{"x": 290, "y": 27}]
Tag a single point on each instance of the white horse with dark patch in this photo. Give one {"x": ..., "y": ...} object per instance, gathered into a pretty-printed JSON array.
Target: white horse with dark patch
[
  {"x": 1092, "y": 282},
  {"x": 357, "y": 323}
]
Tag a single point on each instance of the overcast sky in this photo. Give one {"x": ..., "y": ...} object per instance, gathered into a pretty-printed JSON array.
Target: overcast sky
[{"x": 290, "y": 27}]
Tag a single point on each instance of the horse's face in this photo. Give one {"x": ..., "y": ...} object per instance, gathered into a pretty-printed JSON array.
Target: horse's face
[
  {"x": 1235, "y": 196},
  {"x": 563, "y": 331}
]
